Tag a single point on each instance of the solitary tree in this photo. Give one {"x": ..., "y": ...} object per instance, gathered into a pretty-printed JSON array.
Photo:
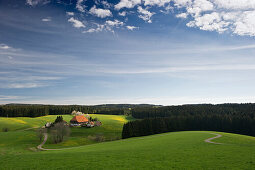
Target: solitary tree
[{"x": 59, "y": 131}]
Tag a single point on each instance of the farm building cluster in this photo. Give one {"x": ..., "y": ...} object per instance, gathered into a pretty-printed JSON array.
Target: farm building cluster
[
  {"x": 78, "y": 120},
  {"x": 81, "y": 120}
]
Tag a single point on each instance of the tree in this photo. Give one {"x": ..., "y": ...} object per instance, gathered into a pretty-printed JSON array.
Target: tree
[
  {"x": 40, "y": 133},
  {"x": 59, "y": 131},
  {"x": 58, "y": 119}
]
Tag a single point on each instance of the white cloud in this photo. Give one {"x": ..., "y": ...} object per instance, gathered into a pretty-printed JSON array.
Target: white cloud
[
  {"x": 145, "y": 14},
  {"x": 167, "y": 9},
  {"x": 235, "y": 16},
  {"x": 199, "y": 6},
  {"x": 48, "y": 19},
  {"x": 156, "y": 2},
  {"x": 127, "y": 4},
  {"x": 37, "y": 2},
  {"x": 76, "y": 23},
  {"x": 80, "y": 6},
  {"x": 123, "y": 13},
  {"x": 22, "y": 85},
  {"x": 235, "y": 4},
  {"x": 99, "y": 28},
  {"x": 70, "y": 13},
  {"x": 182, "y": 3},
  {"x": 3, "y": 97},
  {"x": 131, "y": 27},
  {"x": 114, "y": 23},
  {"x": 4, "y": 47},
  {"x": 182, "y": 15},
  {"x": 106, "y": 4},
  {"x": 245, "y": 24},
  {"x": 108, "y": 26},
  {"x": 210, "y": 22},
  {"x": 102, "y": 13}
]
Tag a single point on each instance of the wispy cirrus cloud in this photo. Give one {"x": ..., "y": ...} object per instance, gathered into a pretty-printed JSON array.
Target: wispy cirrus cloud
[
  {"x": 4, "y": 47},
  {"x": 48, "y": 19},
  {"x": 22, "y": 85}
]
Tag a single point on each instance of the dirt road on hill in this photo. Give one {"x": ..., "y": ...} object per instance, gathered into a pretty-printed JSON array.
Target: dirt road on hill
[
  {"x": 215, "y": 137},
  {"x": 40, "y": 147}
]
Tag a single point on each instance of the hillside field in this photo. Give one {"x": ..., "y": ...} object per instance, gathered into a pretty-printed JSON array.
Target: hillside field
[
  {"x": 20, "y": 132},
  {"x": 176, "y": 150}
]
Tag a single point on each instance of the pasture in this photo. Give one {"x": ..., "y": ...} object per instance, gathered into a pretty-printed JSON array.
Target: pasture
[
  {"x": 20, "y": 133},
  {"x": 175, "y": 150}
]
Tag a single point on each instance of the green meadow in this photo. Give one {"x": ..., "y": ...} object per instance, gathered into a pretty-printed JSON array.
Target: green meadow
[
  {"x": 175, "y": 150},
  {"x": 111, "y": 129}
]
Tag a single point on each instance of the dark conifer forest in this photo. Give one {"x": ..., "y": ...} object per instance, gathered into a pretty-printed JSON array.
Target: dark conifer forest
[{"x": 153, "y": 119}]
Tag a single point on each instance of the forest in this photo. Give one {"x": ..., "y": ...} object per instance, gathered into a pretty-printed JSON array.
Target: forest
[
  {"x": 153, "y": 119},
  {"x": 199, "y": 109},
  {"x": 29, "y": 110},
  {"x": 137, "y": 111},
  {"x": 239, "y": 124},
  {"x": 232, "y": 118}
]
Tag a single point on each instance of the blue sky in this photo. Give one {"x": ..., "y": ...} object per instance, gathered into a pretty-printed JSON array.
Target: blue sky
[{"x": 127, "y": 51}]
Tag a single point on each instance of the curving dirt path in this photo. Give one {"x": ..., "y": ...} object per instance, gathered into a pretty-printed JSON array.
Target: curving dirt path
[
  {"x": 215, "y": 137},
  {"x": 43, "y": 142},
  {"x": 40, "y": 147},
  {"x": 26, "y": 129}
]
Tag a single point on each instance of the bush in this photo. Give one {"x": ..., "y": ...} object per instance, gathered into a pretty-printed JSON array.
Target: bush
[
  {"x": 5, "y": 129},
  {"x": 97, "y": 138}
]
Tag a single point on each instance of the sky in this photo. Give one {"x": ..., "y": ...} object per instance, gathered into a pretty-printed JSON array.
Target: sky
[{"x": 88, "y": 52}]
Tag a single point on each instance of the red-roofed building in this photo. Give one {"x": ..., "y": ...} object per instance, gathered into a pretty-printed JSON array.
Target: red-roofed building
[{"x": 78, "y": 120}]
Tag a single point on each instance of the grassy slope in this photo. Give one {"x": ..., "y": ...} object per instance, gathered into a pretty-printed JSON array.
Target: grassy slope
[
  {"x": 111, "y": 129},
  {"x": 178, "y": 150},
  {"x": 19, "y": 123},
  {"x": 21, "y": 141}
]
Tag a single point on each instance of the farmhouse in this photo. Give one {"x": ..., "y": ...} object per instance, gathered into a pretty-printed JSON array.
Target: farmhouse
[{"x": 78, "y": 120}]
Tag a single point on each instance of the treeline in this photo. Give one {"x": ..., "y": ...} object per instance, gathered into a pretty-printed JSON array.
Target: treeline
[
  {"x": 225, "y": 123},
  {"x": 185, "y": 110},
  {"x": 137, "y": 111},
  {"x": 21, "y": 110}
]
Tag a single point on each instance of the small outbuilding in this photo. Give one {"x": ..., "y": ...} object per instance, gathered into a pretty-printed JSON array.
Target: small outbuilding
[{"x": 97, "y": 123}]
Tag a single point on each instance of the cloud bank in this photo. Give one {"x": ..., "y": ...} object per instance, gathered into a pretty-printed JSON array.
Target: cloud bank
[{"x": 231, "y": 16}]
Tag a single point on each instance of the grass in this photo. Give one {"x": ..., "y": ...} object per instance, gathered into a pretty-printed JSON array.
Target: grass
[
  {"x": 176, "y": 150},
  {"x": 111, "y": 130},
  {"x": 21, "y": 123}
]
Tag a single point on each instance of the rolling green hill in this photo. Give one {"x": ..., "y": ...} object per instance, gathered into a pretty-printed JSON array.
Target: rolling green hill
[
  {"x": 111, "y": 129},
  {"x": 176, "y": 150}
]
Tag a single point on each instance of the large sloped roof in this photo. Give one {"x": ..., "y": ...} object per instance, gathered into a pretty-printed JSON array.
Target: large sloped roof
[{"x": 79, "y": 119}]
